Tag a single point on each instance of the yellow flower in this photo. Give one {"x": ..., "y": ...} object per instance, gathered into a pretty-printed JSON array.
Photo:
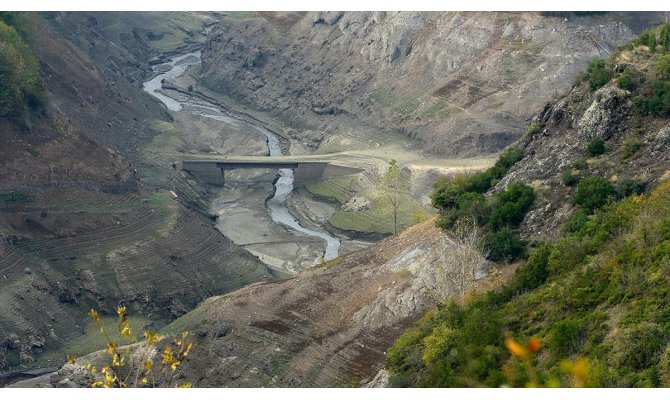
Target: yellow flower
[
  {"x": 116, "y": 360},
  {"x": 71, "y": 360},
  {"x": 186, "y": 384},
  {"x": 111, "y": 348},
  {"x": 120, "y": 310},
  {"x": 152, "y": 337},
  {"x": 94, "y": 315}
]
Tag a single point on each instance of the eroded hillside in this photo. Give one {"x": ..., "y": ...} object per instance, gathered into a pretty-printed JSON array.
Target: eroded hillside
[
  {"x": 461, "y": 83},
  {"x": 86, "y": 223}
]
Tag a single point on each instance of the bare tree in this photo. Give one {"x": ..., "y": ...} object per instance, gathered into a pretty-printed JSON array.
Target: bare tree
[{"x": 460, "y": 257}]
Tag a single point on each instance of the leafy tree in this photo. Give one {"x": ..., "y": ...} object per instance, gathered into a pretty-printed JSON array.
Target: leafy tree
[
  {"x": 596, "y": 147},
  {"x": 593, "y": 192},
  {"x": 392, "y": 190}
]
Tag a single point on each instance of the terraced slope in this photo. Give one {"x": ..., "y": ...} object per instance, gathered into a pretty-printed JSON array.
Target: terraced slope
[{"x": 86, "y": 222}]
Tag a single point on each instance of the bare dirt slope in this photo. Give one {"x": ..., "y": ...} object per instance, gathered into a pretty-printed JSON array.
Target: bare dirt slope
[
  {"x": 462, "y": 83},
  {"x": 329, "y": 326}
]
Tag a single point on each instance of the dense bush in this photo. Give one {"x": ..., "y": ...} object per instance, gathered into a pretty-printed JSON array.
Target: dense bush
[
  {"x": 638, "y": 347},
  {"x": 564, "y": 338},
  {"x": 596, "y": 147},
  {"x": 659, "y": 102},
  {"x": 625, "y": 187},
  {"x": 663, "y": 66},
  {"x": 598, "y": 74},
  {"x": 568, "y": 178},
  {"x": 504, "y": 245},
  {"x": 534, "y": 272},
  {"x": 576, "y": 222},
  {"x": 574, "y": 296},
  {"x": 629, "y": 79},
  {"x": 511, "y": 205},
  {"x": 593, "y": 193},
  {"x": 461, "y": 197},
  {"x": 19, "y": 83},
  {"x": 15, "y": 198}
]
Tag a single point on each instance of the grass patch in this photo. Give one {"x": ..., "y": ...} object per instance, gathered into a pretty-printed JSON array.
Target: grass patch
[
  {"x": 377, "y": 219},
  {"x": 239, "y": 15},
  {"x": 339, "y": 189}
]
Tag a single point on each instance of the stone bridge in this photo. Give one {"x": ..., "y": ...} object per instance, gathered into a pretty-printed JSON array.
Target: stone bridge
[{"x": 306, "y": 169}]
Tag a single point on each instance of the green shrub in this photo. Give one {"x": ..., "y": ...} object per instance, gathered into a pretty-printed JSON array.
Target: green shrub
[
  {"x": 473, "y": 205},
  {"x": 576, "y": 222},
  {"x": 534, "y": 272},
  {"x": 533, "y": 127},
  {"x": 598, "y": 74},
  {"x": 504, "y": 245},
  {"x": 664, "y": 367},
  {"x": 511, "y": 205},
  {"x": 568, "y": 253},
  {"x": 481, "y": 182},
  {"x": 508, "y": 158},
  {"x": 638, "y": 347},
  {"x": 580, "y": 165},
  {"x": 596, "y": 147},
  {"x": 665, "y": 38},
  {"x": 593, "y": 193},
  {"x": 446, "y": 193},
  {"x": 658, "y": 103},
  {"x": 629, "y": 79},
  {"x": 564, "y": 338},
  {"x": 15, "y": 198},
  {"x": 625, "y": 187},
  {"x": 568, "y": 178},
  {"x": 663, "y": 66},
  {"x": 629, "y": 148}
]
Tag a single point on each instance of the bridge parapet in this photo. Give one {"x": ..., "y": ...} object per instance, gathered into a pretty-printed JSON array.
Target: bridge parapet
[{"x": 304, "y": 171}]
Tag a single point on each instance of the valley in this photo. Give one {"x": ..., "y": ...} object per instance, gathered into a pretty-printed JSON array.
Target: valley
[{"x": 485, "y": 118}]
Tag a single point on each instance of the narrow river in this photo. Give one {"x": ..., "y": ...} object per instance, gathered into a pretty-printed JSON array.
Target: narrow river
[{"x": 276, "y": 205}]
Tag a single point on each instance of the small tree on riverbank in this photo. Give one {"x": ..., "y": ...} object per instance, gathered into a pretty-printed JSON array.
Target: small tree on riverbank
[{"x": 392, "y": 191}]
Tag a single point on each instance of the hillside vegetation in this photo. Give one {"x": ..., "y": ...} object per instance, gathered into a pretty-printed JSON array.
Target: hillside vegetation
[
  {"x": 19, "y": 82},
  {"x": 597, "y": 294}
]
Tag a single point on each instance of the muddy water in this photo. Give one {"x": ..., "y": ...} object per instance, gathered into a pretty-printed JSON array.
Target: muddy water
[{"x": 276, "y": 205}]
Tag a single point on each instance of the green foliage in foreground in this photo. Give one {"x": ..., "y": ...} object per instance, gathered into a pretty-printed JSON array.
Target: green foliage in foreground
[
  {"x": 601, "y": 292},
  {"x": 19, "y": 81}
]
